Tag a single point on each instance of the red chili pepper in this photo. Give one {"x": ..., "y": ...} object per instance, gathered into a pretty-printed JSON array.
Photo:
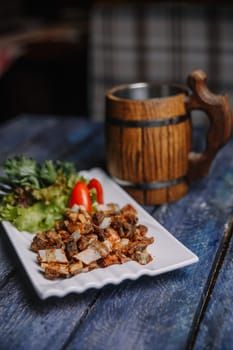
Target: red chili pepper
[
  {"x": 80, "y": 195},
  {"x": 94, "y": 183}
]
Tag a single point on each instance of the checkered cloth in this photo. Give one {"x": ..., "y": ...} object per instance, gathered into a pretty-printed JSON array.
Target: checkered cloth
[{"x": 158, "y": 42}]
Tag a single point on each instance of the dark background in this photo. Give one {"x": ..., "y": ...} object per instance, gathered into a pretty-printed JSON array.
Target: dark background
[{"x": 51, "y": 73}]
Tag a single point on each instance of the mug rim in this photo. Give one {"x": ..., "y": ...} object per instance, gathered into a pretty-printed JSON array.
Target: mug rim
[{"x": 181, "y": 89}]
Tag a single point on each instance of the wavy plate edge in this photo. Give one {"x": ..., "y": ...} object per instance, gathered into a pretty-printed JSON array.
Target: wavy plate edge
[{"x": 45, "y": 289}]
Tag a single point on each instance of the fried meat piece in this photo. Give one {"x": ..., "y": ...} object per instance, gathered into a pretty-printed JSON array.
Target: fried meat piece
[
  {"x": 88, "y": 255},
  {"x": 86, "y": 240},
  {"x": 52, "y": 256},
  {"x": 139, "y": 245},
  {"x": 47, "y": 239},
  {"x": 98, "y": 217},
  {"x": 53, "y": 271},
  {"x": 142, "y": 258},
  {"x": 76, "y": 267},
  {"x": 128, "y": 209},
  {"x": 110, "y": 259},
  {"x": 71, "y": 248},
  {"x": 109, "y": 209}
]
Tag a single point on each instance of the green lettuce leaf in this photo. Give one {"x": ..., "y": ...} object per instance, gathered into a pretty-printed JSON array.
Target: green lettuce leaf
[
  {"x": 36, "y": 217},
  {"x": 35, "y": 196}
]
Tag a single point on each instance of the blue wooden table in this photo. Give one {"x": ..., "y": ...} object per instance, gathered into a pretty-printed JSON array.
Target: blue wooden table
[{"x": 189, "y": 308}]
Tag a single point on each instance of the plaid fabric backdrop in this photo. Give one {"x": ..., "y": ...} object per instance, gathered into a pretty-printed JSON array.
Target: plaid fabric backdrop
[{"x": 158, "y": 42}]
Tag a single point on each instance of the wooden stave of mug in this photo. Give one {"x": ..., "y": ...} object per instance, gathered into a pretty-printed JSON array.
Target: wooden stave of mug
[{"x": 141, "y": 158}]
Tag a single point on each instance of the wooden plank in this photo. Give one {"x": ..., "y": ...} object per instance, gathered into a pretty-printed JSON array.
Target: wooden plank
[
  {"x": 145, "y": 314},
  {"x": 216, "y": 327},
  {"x": 28, "y": 323},
  {"x": 13, "y": 133},
  {"x": 6, "y": 266},
  {"x": 160, "y": 312},
  {"x": 44, "y": 137},
  {"x": 91, "y": 154}
]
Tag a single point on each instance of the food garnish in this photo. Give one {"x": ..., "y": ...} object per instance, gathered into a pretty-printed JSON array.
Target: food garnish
[
  {"x": 84, "y": 241},
  {"x": 33, "y": 196},
  {"x": 96, "y": 187},
  {"x": 88, "y": 194},
  {"x": 80, "y": 195}
]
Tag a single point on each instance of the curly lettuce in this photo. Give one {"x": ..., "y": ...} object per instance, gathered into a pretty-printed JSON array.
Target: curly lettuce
[{"x": 35, "y": 195}]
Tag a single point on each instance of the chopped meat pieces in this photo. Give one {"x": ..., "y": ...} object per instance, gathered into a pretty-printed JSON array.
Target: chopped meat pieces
[
  {"x": 47, "y": 239},
  {"x": 71, "y": 247},
  {"x": 83, "y": 241},
  {"x": 98, "y": 217},
  {"x": 55, "y": 270},
  {"x": 76, "y": 267},
  {"x": 52, "y": 256},
  {"x": 88, "y": 255}
]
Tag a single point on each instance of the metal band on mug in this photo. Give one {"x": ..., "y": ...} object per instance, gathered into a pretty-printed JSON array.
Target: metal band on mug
[
  {"x": 147, "y": 123},
  {"x": 150, "y": 185}
]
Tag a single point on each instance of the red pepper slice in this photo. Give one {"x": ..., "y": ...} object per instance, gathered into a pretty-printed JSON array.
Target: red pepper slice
[
  {"x": 80, "y": 195},
  {"x": 94, "y": 183}
]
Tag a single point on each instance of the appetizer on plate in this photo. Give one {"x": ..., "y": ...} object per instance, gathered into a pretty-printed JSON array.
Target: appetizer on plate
[
  {"x": 74, "y": 230},
  {"x": 84, "y": 241}
]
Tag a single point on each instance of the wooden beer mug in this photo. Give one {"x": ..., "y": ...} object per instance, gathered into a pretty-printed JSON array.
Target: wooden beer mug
[{"x": 149, "y": 132}]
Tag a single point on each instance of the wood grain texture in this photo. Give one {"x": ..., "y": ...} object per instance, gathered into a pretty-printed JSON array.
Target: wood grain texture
[
  {"x": 160, "y": 312},
  {"x": 150, "y": 313},
  {"x": 28, "y": 323},
  {"x": 216, "y": 326},
  {"x": 219, "y": 112},
  {"x": 148, "y": 154}
]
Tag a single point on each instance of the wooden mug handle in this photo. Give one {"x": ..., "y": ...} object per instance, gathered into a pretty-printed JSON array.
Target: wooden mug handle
[{"x": 218, "y": 110}]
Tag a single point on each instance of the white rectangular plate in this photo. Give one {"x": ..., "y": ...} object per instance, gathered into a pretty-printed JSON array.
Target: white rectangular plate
[{"x": 167, "y": 252}]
